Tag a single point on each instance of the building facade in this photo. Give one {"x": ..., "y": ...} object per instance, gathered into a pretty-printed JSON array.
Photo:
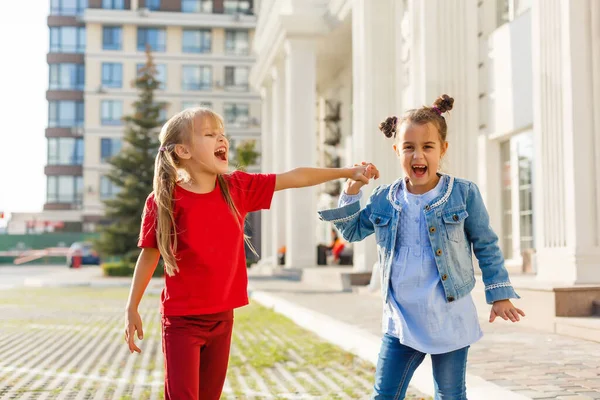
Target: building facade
[
  {"x": 525, "y": 126},
  {"x": 202, "y": 51}
]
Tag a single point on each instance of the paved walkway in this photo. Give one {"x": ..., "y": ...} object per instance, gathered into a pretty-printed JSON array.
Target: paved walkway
[
  {"x": 66, "y": 343},
  {"x": 530, "y": 363}
]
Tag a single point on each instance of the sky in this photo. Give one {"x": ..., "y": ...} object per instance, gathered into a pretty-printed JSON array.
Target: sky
[{"x": 23, "y": 106}]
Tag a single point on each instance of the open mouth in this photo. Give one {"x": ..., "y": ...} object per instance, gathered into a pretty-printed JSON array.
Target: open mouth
[
  {"x": 221, "y": 154},
  {"x": 419, "y": 170}
]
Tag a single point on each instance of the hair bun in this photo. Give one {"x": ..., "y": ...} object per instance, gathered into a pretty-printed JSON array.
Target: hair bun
[
  {"x": 444, "y": 103},
  {"x": 389, "y": 126}
]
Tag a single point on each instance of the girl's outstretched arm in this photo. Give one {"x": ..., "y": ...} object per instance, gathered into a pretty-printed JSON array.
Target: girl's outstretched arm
[
  {"x": 303, "y": 177},
  {"x": 144, "y": 268}
]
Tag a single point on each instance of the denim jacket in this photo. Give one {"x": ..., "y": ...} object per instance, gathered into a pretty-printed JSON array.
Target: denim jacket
[{"x": 458, "y": 225}]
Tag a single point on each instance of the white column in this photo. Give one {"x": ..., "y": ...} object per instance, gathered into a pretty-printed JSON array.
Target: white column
[
  {"x": 567, "y": 145},
  {"x": 135, "y": 4},
  {"x": 278, "y": 157},
  {"x": 374, "y": 67},
  {"x": 444, "y": 60},
  {"x": 266, "y": 157},
  {"x": 300, "y": 150}
]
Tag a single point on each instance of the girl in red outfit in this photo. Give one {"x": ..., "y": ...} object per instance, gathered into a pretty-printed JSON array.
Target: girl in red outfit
[{"x": 194, "y": 219}]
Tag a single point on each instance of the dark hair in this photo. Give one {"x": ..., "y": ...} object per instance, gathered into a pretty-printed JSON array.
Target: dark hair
[{"x": 420, "y": 116}]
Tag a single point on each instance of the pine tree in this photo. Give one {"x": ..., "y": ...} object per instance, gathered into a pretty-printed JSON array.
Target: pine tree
[{"x": 133, "y": 169}]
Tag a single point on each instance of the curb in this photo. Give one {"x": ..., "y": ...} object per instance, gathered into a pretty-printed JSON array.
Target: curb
[{"x": 366, "y": 346}]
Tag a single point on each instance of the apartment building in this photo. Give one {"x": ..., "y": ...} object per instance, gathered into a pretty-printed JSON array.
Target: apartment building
[{"x": 202, "y": 52}]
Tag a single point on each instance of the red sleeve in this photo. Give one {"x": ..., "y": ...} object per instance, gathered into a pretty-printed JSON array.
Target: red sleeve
[
  {"x": 256, "y": 190},
  {"x": 148, "y": 229}
]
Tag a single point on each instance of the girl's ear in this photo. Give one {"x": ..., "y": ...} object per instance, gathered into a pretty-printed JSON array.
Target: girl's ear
[
  {"x": 444, "y": 148},
  {"x": 182, "y": 152}
]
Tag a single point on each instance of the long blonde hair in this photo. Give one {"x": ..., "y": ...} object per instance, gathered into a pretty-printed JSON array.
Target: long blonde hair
[{"x": 176, "y": 131}]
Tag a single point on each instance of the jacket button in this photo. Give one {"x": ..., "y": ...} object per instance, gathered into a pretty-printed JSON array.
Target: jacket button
[
  {"x": 377, "y": 220},
  {"x": 438, "y": 252},
  {"x": 432, "y": 229},
  {"x": 427, "y": 208},
  {"x": 450, "y": 299},
  {"x": 455, "y": 217},
  {"x": 444, "y": 277}
]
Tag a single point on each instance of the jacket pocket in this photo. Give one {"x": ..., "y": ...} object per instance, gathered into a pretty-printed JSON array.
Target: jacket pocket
[
  {"x": 381, "y": 223},
  {"x": 455, "y": 224}
]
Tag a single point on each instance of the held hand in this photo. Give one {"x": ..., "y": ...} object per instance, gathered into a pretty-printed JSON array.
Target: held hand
[
  {"x": 360, "y": 176},
  {"x": 133, "y": 323},
  {"x": 505, "y": 310}
]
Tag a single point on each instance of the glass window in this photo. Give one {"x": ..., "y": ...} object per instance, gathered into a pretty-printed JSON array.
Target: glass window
[
  {"x": 237, "y": 115},
  {"x": 65, "y": 151},
  {"x": 64, "y": 189},
  {"x": 113, "y": 4},
  {"x": 68, "y": 7},
  {"x": 67, "y": 76},
  {"x": 197, "y": 77},
  {"x": 112, "y": 112},
  {"x": 517, "y": 194},
  {"x": 236, "y": 78},
  {"x": 153, "y": 37},
  {"x": 112, "y": 75},
  {"x": 109, "y": 147},
  {"x": 153, "y": 5},
  {"x": 67, "y": 39},
  {"x": 191, "y": 104},
  {"x": 237, "y": 42},
  {"x": 161, "y": 73},
  {"x": 509, "y": 10},
  {"x": 108, "y": 189},
  {"x": 196, "y": 41},
  {"x": 65, "y": 113},
  {"x": 112, "y": 37},
  {"x": 197, "y": 6},
  {"x": 237, "y": 6}
]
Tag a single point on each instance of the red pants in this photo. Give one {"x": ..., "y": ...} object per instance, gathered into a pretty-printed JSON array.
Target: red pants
[{"x": 196, "y": 350}]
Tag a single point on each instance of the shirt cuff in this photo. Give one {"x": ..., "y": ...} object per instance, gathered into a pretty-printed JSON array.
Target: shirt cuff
[{"x": 346, "y": 199}]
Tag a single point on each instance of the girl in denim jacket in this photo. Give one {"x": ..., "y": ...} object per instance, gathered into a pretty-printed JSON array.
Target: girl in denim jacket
[{"x": 427, "y": 225}]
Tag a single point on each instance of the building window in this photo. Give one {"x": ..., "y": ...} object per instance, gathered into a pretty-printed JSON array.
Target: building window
[
  {"x": 112, "y": 75},
  {"x": 109, "y": 147},
  {"x": 112, "y": 37},
  {"x": 67, "y": 76},
  {"x": 64, "y": 189},
  {"x": 237, "y": 42},
  {"x": 113, "y": 4},
  {"x": 237, "y": 115},
  {"x": 153, "y": 37},
  {"x": 196, "y": 41},
  {"x": 197, "y": 6},
  {"x": 517, "y": 195},
  {"x": 67, "y": 39},
  {"x": 153, "y": 5},
  {"x": 236, "y": 79},
  {"x": 65, "y": 113},
  {"x": 197, "y": 77},
  {"x": 108, "y": 190},
  {"x": 67, "y": 7},
  {"x": 112, "y": 112},
  {"x": 237, "y": 7},
  {"x": 161, "y": 73},
  {"x": 65, "y": 151},
  {"x": 192, "y": 104}
]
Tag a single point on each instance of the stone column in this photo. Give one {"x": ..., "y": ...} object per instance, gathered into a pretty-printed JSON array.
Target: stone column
[
  {"x": 566, "y": 74},
  {"x": 300, "y": 150}
]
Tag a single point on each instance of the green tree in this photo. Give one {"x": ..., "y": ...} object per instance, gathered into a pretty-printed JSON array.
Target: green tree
[
  {"x": 246, "y": 154},
  {"x": 133, "y": 168}
]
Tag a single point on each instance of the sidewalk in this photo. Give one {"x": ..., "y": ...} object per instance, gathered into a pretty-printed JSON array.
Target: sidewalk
[{"x": 510, "y": 362}]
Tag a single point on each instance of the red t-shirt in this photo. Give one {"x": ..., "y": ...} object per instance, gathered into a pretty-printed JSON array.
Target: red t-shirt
[{"x": 212, "y": 275}]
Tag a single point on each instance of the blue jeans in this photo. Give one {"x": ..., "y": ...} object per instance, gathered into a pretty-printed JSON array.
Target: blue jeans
[{"x": 397, "y": 364}]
